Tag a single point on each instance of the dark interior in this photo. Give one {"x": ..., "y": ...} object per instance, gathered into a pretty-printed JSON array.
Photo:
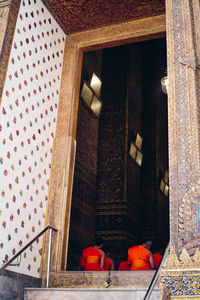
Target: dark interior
[{"x": 113, "y": 196}]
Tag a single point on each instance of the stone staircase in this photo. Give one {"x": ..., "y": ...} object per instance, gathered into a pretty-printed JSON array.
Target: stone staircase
[
  {"x": 87, "y": 294},
  {"x": 124, "y": 285}
]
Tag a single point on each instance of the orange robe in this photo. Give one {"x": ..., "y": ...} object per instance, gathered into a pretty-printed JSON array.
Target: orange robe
[
  {"x": 107, "y": 264},
  {"x": 124, "y": 266},
  {"x": 90, "y": 260},
  {"x": 157, "y": 258},
  {"x": 138, "y": 257}
]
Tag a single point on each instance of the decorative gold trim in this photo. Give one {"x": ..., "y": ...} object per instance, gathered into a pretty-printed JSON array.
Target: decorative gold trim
[
  {"x": 184, "y": 297},
  {"x": 4, "y": 4},
  {"x": 11, "y": 11},
  {"x": 184, "y": 262},
  {"x": 183, "y": 98}
]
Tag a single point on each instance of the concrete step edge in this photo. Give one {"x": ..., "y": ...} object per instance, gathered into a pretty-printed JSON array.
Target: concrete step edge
[{"x": 87, "y": 289}]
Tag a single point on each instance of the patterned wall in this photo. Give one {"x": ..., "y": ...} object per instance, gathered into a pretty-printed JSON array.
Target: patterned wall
[{"x": 27, "y": 128}]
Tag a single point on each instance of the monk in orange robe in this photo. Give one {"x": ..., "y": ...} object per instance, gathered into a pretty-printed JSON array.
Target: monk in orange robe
[
  {"x": 124, "y": 266},
  {"x": 93, "y": 257},
  {"x": 108, "y": 261},
  {"x": 157, "y": 259},
  {"x": 140, "y": 257}
]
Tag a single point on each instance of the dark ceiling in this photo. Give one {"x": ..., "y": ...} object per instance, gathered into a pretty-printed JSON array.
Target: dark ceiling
[{"x": 79, "y": 15}]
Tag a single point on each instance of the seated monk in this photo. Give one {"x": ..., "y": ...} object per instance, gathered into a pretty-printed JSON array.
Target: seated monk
[
  {"x": 140, "y": 257},
  {"x": 108, "y": 261},
  {"x": 93, "y": 257},
  {"x": 157, "y": 259},
  {"x": 124, "y": 266}
]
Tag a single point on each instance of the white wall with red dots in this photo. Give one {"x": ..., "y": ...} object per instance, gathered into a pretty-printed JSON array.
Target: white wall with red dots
[{"x": 28, "y": 115}]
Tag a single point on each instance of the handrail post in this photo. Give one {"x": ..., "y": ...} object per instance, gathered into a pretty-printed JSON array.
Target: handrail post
[
  {"x": 49, "y": 256},
  {"x": 30, "y": 243}
]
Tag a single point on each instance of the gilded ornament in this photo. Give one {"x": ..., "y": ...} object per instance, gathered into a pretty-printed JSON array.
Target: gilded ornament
[
  {"x": 181, "y": 226},
  {"x": 185, "y": 258},
  {"x": 196, "y": 259},
  {"x": 172, "y": 260},
  {"x": 181, "y": 209}
]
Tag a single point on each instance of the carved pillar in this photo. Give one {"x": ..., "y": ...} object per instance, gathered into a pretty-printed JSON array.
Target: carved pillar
[
  {"x": 183, "y": 73},
  {"x": 180, "y": 275}
]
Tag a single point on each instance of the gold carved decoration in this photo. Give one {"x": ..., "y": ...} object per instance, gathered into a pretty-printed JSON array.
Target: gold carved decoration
[
  {"x": 188, "y": 214},
  {"x": 183, "y": 262},
  {"x": 3, "y": 24},
  {"x": 180, "y": 276},
  {"x": 172, "y": 260},
  {"x": 8, "y": 19},
  {"x": 184, "y": 297}
]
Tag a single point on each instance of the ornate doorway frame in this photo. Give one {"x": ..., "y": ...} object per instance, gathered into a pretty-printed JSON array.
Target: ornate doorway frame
[{"x": 58, "y": 210}]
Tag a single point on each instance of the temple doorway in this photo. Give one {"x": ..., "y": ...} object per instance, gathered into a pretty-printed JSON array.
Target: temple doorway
[{"x": 120, "y": 186}]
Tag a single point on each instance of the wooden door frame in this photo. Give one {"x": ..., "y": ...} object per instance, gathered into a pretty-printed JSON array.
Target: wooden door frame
[{"x": 59, "y": 203}]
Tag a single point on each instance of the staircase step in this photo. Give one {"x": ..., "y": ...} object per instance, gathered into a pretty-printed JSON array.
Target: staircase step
[
  {"x": 92, "y": 279},
  {"x": 87, "y": 294}
]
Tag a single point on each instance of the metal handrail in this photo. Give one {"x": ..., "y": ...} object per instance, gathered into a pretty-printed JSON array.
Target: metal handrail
[
  {"x": 31, "y": 242},
  {"x": 157, "y": 273},
  {"x": 17, "y": 264}
]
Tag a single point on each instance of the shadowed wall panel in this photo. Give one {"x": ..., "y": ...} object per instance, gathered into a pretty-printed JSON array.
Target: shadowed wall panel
[
  {"x": 154, "y": 225},
  {"x": 82, "y": 222},
  {"x": 111, "y": 205},
  {"x": 118, "y": 203},
  {"x": 134, "y": 116}
]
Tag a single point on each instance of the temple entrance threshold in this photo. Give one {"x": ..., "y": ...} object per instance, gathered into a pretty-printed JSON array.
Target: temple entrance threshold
[{"x": 93, "y": 285}]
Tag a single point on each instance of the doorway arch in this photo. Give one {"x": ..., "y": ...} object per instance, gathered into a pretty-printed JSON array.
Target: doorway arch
[{"x": 58, "y": 210}]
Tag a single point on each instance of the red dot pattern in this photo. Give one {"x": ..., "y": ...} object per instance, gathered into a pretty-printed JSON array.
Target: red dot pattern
[{"x": 27, "y": 129}]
